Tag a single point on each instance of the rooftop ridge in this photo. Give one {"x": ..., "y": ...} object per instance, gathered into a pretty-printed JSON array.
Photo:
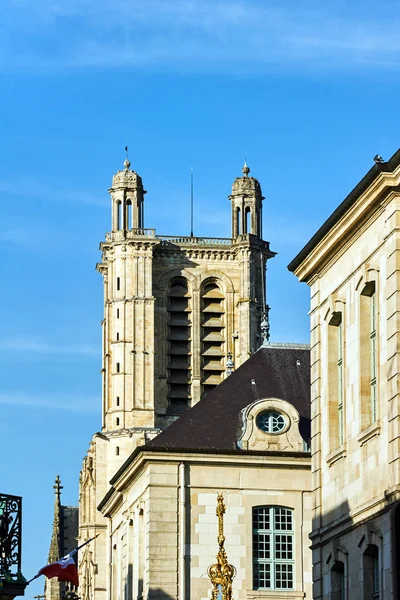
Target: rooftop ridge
[{"x": 287, "y": 345}]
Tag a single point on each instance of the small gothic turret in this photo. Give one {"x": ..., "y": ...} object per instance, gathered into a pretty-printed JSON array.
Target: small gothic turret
[
  {"x": 127, "y": 195},
  {"x": 246, "y": 199},
  {"x": 52, "y": 587}
]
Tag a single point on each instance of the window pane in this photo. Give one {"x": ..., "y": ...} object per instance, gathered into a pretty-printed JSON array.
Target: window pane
[
  {"x": 261, "y": 545},
  {"x": 283, "y": 576},
  {"x": 262, "y": 576},
  {"x": 284, "y": 547},
  {"x": 261, "y": 519},
  {"x": 283, "y": 519}
]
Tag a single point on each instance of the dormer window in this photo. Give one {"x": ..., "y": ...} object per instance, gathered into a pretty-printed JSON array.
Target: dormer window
[{"x": 271, "y": 421}]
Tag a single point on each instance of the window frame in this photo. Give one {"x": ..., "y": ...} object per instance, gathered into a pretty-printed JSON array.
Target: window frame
[
  {"x": 271, "y": 541},
  {"x": 373, "y": 356}
]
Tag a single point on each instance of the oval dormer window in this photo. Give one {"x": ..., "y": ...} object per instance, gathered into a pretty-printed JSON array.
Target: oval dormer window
[{"x": 271, "y": 421}]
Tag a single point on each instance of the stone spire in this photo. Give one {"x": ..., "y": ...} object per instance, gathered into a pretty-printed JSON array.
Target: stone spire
[
  {"x": 55, "y": 544},
  {"x": 52, "y": 587}
]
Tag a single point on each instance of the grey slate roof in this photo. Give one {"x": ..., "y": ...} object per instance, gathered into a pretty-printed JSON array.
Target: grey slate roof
[{"x": 275, "y": 371}]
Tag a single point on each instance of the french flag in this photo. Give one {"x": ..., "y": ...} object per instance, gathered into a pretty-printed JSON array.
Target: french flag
[{"x": 64, "y": 569}]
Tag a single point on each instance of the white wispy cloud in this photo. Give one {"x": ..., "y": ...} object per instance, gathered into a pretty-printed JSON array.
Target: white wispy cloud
[
  {"x": 68, "y": 403},
  {"x": 38, "y": 346},
  {"x": 41, "y": 191},
  {"x": 215, "y": 35}
]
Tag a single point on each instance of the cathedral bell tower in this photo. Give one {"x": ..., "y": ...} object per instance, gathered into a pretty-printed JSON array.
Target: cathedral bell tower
[
  {"x": 180, "y": 312},
  {"x": 128, "y": 325}
]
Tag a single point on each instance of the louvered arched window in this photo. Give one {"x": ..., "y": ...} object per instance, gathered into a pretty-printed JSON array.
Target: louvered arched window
[
  {"x": 179, "y": 346},
  {"x": 212, "y": 335}
]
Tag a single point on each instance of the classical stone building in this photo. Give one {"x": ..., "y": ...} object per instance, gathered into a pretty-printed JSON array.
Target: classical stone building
[
  {"x": 247, "y": 439},
  {"x": 178, "y": 313},
  {"x": 352, "y": 266}
]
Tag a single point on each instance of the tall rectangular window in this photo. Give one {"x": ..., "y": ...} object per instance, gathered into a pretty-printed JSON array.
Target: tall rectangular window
[
  {"x": 371, "y": 573},
  {"x": 372, "y": 337},
  {"x": 369, "y": 355},
  {"x": 336, "y": 387},
  {"x": 338, "y": 584},
  {"x": 375, "y": 576},
  {"x": 273, "y": 548},
  {"x": 340, "y": 392}
]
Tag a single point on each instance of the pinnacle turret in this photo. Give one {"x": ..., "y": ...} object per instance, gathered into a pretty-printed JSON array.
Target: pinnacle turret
[
  {"x": 127, "y": 195},
  {"x": 246, "y": 199}
]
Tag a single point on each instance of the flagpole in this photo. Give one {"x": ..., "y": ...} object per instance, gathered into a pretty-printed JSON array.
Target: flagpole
[
  {"x": 84, "y": 543},
  {"x": 72, "y": 551}
]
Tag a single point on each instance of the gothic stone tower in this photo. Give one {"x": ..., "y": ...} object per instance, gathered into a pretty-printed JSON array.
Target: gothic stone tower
[{"x": 174, "y": 308}]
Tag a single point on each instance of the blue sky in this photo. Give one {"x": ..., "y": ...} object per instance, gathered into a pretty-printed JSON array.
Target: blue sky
[{"x": 307, "y": 90}]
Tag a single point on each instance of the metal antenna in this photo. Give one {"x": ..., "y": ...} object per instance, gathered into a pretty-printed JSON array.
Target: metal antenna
[{"x": 191, "y": 201}]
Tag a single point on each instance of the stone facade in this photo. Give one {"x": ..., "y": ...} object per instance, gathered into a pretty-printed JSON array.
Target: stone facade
[
  {"x": 352, "y": 266},
  {"x": 160, "y": 498},
  {"x": 175, "y": 310}
]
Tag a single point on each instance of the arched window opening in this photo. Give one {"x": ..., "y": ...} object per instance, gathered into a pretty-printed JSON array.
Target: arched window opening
[
  {"x": 179, "y": 347},
  {"x": 238, "y": 222},
  {"x": 247, "y": 222},
  {"x": 128, "y": 224},
  {"x": 273, "y": 548},
  {"x": 117, "y": 451},
  {"x": 212, "y": 336},
  {"x": 118, "y": 284},
  {"x": 338, "y": 584},
  {"x": 371, "y": 573},
  {"x": 119, "y": 215},
  {"x": 117, "y": 421}
]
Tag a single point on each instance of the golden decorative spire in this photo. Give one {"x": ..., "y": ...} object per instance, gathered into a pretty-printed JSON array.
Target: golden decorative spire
[{"x": 222, "y": 573}]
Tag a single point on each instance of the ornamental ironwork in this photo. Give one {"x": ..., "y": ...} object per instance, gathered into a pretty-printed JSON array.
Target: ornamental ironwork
[{"x": 10, "y": 537}]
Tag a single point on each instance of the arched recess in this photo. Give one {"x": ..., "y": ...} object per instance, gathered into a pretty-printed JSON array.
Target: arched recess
[
  {"x": 128, "y": 215},
  {"x": 213, "y": 333},
  {"x": 247, "y": 220},
  {"x": 179, "y": 323},
  {"x": 119, "y": 215},
  {"x": 238, "y": 222}
]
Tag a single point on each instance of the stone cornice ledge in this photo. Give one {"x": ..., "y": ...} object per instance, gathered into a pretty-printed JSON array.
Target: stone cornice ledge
[
  {"x": 336, "y": 455},
  {"x": 275, "y": 594},
  {"x": 369, "y": 433}
]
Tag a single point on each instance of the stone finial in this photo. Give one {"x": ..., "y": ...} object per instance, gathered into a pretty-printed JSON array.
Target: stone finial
[
  {"x": 127, "y": 163},
  {"x": 245, "y": 169},
  {"x": 265, "y": 326},
  {"x": 230, "y": 365}
]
